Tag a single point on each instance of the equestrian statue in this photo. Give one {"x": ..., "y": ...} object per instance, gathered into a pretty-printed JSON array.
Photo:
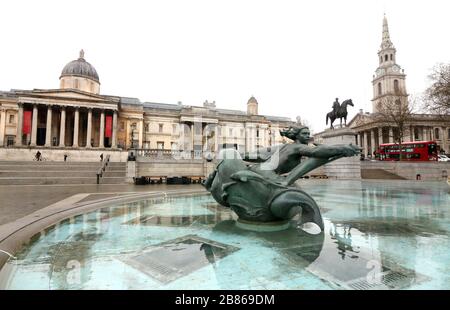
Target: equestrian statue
[
  {"x": 339, "y": 111},
  {"x": 260, "y": 187}
]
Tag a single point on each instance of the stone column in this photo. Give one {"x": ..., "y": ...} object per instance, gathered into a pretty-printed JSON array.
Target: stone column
[
  {"x": 89, "y": 128},
  {"x": 101, "y": 143},
  {"x": 76, "y": 124},
  {"x": 366, "y": 148},
  {"x": 380, "y": 136},
  {"x": 48, "y": 128},
  {"x": 216, "y": 139},
  {"x": 181, "y": 137},
  {"x": 2, "y": 127},
  {"x": 192, "y": 137},
  {"x": 391, "y": 135},
  {"x": 128, "y": 129},
  {"x": 372, "y": 142},
  {"x": 34, "y": 125},
  {"x": 62, "y": 128},
  {"x": 444, "y": 138},
  {"x": 141, "y": 133},
  {"x": 114, "y": 130},
  {"x": 19, "y": 124}
]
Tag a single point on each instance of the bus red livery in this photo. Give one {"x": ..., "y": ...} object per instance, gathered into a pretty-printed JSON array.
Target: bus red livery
[{"x": 411, "y": 151}]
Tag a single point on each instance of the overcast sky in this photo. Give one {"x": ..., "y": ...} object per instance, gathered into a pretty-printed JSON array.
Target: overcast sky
[{"x": 295, "y": 57}]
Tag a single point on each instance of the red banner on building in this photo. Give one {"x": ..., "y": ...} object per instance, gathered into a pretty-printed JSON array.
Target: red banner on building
[
  {"x": 26, "y": 129},
  {"x": 108, "y": 127}
]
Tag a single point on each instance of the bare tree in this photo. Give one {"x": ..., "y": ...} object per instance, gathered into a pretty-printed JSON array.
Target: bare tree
[
  {"x": 437, "y": 96},
  {"x": 398, "y": 112}
]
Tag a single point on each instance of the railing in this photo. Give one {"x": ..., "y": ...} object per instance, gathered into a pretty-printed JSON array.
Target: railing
[
  {"x": 102, "y": 169},
  {"x": 174, "y": 154}
]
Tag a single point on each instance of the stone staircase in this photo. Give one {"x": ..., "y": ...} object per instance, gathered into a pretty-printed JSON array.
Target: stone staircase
[
  {"x": 58, "y": 173},
  {"x": 379, "y": 174}
]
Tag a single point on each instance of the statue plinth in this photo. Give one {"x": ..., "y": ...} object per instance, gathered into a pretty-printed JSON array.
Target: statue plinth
[
  {"x": 347, "y": 167},
  {"x": 262, "y": 226}
]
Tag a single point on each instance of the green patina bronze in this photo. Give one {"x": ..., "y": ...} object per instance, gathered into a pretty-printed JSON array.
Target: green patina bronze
[{"x": 260, "y": 187}]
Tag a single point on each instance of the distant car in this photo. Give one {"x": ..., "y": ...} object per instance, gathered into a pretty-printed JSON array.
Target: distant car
[{"x": 443, "y": 158}]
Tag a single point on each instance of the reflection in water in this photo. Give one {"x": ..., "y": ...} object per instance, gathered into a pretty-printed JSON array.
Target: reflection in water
[
  {"x": 392, "y": 226},
  {"x": 292, "y": 241},
  {"x": 209, "y": 253},
  {"x": 343, "y": 241}
]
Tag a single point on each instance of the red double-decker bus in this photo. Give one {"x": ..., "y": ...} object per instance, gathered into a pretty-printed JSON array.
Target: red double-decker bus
[{"x": 412, "y": 151}]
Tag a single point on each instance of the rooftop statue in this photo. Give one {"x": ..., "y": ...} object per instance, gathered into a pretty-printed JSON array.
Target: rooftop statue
[
  {"x": 263, "y": 190},
  {"x": 339, "y": 111}
]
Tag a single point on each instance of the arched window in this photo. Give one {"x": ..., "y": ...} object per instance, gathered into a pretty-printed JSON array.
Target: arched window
[
  {"x": 396, "y": 88},
  {"x": 379, "y": 89},
  {"x": 381, "y": 59},
  {"x": 436, "y": 133},
  {"x": 385, "y": 57},
  {"x": 391, "y": 56}
]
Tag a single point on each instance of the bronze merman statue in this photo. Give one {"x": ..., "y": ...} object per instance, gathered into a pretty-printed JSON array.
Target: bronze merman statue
[{"x": 264, "y": 191}]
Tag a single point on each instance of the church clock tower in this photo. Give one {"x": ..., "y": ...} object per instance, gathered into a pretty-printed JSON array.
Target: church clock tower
[{"x": 389, "y": 79}]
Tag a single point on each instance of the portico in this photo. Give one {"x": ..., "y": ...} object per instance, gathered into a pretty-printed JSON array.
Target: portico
[{"x": 66, "y": 121}]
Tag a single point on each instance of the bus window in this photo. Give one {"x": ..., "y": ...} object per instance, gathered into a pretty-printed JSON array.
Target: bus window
[
  {"x": 413, "y": 156},
  {"x": 393, "y": 156},
  {"x": 432, "y": 149}
]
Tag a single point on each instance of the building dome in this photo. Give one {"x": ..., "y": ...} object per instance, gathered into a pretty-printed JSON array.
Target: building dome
[
  {"x": 252, "y": 106},
  {"x": 252, "y": 100},
  {"x": 81, "y": 68},
  {"x": 80, "y": 75}
]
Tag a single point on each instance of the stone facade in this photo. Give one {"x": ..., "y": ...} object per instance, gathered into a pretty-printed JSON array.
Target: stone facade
[
  {"x": 77, "y": 117},
  {"x": 425, "y": 171},
  {"x": 346, "y": 167}
]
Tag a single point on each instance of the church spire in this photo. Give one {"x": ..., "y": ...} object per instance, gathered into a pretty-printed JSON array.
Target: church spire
[
  {"x": 386, "y": 39},
  {"x": 389, "y": 78}
]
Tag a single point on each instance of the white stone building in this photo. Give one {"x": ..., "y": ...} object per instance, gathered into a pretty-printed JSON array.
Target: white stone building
[{"x": 76, "y": 117}]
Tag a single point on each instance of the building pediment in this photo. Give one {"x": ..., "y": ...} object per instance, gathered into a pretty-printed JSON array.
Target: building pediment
[
  {"x": 64, "y": 93},
  {"x": 357, "y": 121},
  {"x": 67, "y": 97}
]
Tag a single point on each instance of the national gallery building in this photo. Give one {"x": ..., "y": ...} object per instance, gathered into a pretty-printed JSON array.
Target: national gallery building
[{"x": 77, "y": 117}]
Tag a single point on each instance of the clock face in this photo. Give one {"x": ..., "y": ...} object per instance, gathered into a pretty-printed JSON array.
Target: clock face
[
  {"x": 395, "y": 68},
  {"x": 380, "y": 71}
]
